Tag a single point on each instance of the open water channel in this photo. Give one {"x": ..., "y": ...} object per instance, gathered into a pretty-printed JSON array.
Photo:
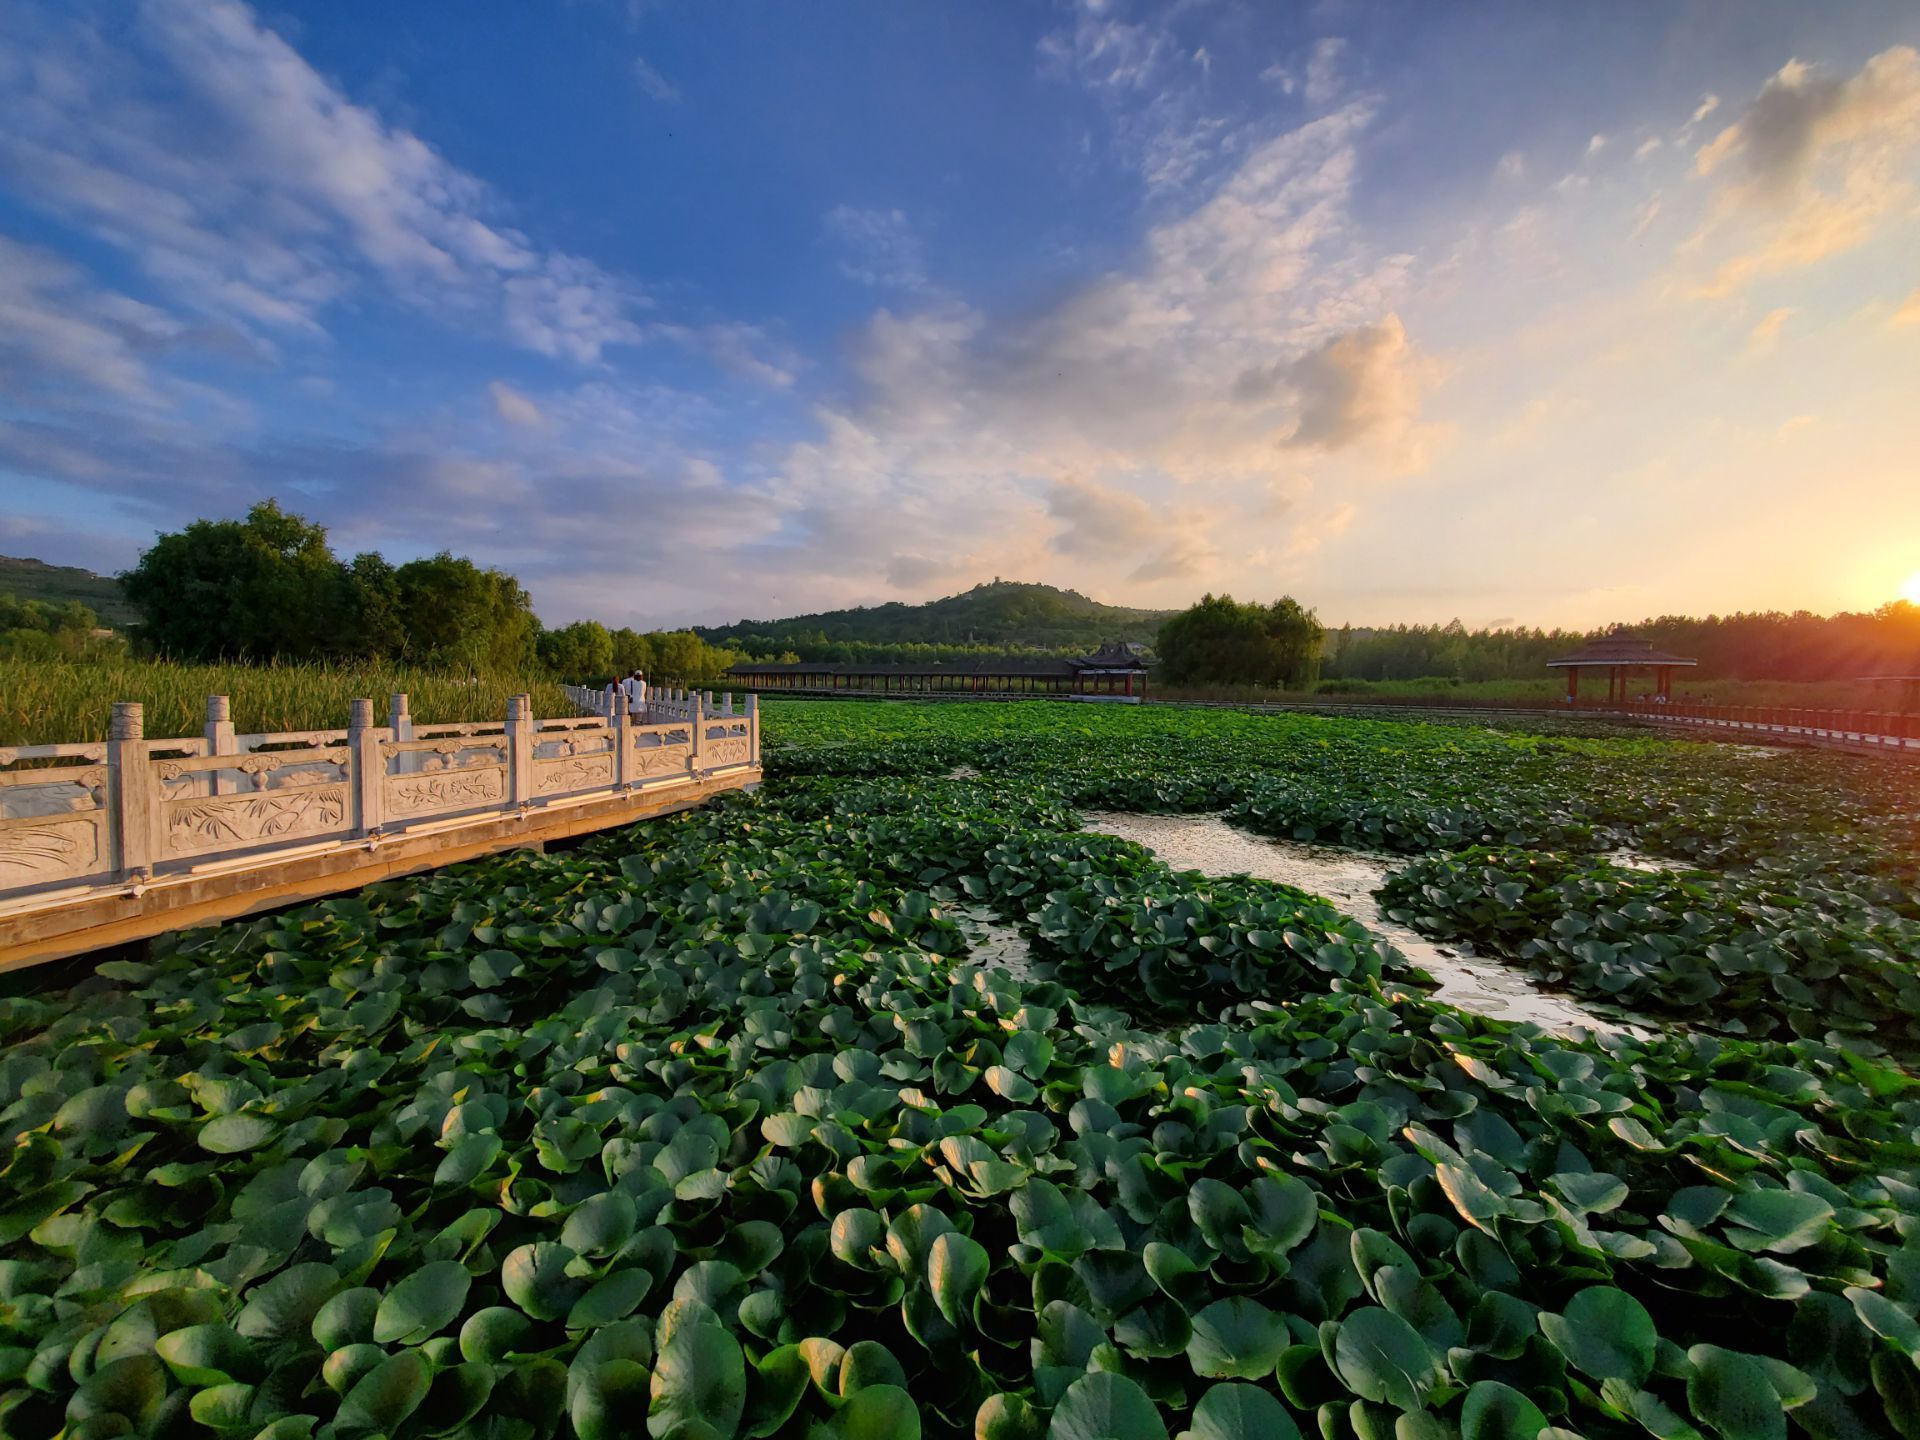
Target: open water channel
[{"x": 1348, "y": 878}]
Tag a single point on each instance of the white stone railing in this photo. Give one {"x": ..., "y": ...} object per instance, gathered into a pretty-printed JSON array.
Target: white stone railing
[{"x": 129, "y": 810}]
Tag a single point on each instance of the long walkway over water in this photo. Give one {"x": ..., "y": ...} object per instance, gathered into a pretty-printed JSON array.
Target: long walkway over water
[{"x": 127, "y": 838}]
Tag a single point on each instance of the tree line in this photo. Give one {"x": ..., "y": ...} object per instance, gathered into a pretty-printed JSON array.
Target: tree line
[
  {"x": 41, "y": 630},
  {"x": 1767, "y": 645},
  {"x": 269, "y": 588}
]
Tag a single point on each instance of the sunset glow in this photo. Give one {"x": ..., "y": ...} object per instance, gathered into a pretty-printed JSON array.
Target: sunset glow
[{"x": 1910, "y": 592}]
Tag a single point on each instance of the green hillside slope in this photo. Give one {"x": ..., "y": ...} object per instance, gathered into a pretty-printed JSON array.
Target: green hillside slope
[
  {"x": 1002, "y": 612},
  {"x": 57, "y": 584}
]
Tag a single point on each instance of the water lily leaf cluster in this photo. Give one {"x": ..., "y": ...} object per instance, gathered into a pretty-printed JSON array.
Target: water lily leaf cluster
[
  {"x": 714, "y": 1127},
  {"x": 1744, "y": 956}
]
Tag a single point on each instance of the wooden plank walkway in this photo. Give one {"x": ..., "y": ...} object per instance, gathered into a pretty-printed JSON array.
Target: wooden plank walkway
[{"x": 102, "y": 843}]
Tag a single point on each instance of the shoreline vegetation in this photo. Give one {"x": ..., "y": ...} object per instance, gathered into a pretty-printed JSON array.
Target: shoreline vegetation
[{"x": 56, "y": 701}]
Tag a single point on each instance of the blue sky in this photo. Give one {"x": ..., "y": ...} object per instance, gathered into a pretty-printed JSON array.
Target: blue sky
[{"x": 1510, "y": 313}]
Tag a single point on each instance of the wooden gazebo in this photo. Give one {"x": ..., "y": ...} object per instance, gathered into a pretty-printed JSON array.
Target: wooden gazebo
[{"x": 1620, "y": 654}]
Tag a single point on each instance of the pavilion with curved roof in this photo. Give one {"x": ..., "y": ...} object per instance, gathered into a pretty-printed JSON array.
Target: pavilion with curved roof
[{"x": 1620, "y": 653}]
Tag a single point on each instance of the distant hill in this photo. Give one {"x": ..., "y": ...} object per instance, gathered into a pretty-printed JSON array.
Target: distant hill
[
  {"x": 58, "y": 584},
  {"x": 1003, "y": 612}
]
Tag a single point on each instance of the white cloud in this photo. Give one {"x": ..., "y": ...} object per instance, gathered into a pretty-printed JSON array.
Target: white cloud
[
  {"x": 879, "y": 247},
  {"x": 1596, "y": 144},
  {"x": 1816, "y": 165},
  {"x": 514, "y": 407},
  {"x": 1646, "y": 147},
  {"x": 1116, "y": 432},
  {"x": 1324, "y": 71},
  {"x": 1162, "y": 110},
  {"x": 1101, "y": 50},
  {"x": 1909, "y": 311},
  {"x": 1511, "y": 167},
  {"x": 251, "y": 188},
  {"x": 54, "y": 323},
  {"x": 654, "y": 83}
]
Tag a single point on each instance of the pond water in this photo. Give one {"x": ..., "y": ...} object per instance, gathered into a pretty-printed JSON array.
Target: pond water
[
  {"x": 1348, "y": 879},
  {"x": 992, "y": 941}
]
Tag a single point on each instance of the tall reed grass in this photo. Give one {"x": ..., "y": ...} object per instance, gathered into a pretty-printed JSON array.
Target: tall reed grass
[{"x": 49, "y": 701}]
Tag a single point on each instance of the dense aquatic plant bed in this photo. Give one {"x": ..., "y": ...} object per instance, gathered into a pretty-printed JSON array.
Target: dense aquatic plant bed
[
  {"x": 712, "y": 1128},
  {"x": 1742, "y": 958}
]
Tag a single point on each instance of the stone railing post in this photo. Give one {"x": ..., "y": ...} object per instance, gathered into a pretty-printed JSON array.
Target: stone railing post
[
  {"x": 621, "y": 722},
  {"x": 697, "y": 727},
  {"x": 365, "y": 777},
  {"x": 519, "y": 751},
  {"x": 400, "y": 723},
  {"x": 133, "y": 795},
  {"x": 220, "y": 742},
  {"x": 752, "y": 702},
  {"x": 611, "y": 702}
]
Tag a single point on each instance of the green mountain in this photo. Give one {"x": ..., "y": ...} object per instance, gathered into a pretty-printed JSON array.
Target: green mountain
[
  {"x": 1002, "y": 613},
  {"x": 57, "y": 584}
]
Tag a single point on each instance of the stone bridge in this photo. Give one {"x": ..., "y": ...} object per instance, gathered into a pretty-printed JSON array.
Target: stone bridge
[{"x": 126, "y": 838}]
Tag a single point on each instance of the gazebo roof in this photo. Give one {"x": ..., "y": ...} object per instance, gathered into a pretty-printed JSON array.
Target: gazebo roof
[{"x": 1622, "y": 647}]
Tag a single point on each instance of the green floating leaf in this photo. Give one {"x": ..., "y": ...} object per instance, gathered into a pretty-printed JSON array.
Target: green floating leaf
[
  {"x": 1105, "y": 1406},
  {"x": 1382, "y": 1358},
  {"x": 1605, "y": 1333},
  {"x": 422, "y": 1304},
  {"x": 208, "y": 1355},
  {"x": 1240, "y": 1412},
  {"x": 387, "y": 1394},
  {"x": 535, "y": 1278},
  {"x": 490, "y": 1334},
  {"x": 1236, "y": 1338},
  {"x": 285, "y": 1306},
  {"x": 1008, "y": 1417},
  {"x": 1494, "y": 1411},
  {"x": 1778, "y": 1220},
  {"x": 699, "y": 1378},
  {"x": 1732, "y": 1394},
  {"x": 878, "y": 1412},
  {"x": 237, "y": 1134},
  {"x": 957, "y": 1267}
]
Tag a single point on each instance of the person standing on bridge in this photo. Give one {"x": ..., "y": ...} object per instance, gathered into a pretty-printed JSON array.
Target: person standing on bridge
[{"x": 635, "y": 689}]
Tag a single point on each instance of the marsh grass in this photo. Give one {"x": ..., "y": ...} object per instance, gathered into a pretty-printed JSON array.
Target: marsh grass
[{"x": 46, "y": 702}]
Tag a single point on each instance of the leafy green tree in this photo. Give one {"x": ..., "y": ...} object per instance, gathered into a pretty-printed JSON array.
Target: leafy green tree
[
  {"x": 253, "y": 589},
  {"x": 1223, "y": 641},
  {"x": 459, "y": 614},
  {"x": 578, "y": 652},
  {"x": 370, "y": 621},
  {"x": 631, "y": 651}
]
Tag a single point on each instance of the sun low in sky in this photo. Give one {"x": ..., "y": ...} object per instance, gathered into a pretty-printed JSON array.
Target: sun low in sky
[
  {"x": 1505, "y": 312},
  {"x": 1910, "y": 592}
]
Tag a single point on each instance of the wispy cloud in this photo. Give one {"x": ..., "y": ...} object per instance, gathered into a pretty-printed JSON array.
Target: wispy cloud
[
  {"x": 514, "y": 407},
  {"x": 654, "y": 83},
  {"x": 877, "y": 247},
  {"x": 264, "y": 194},
  {"x": 1766, "y": 334}
]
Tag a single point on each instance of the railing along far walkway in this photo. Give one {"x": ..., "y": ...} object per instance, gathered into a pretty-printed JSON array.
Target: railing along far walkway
[{"x": 122, "y": 839}]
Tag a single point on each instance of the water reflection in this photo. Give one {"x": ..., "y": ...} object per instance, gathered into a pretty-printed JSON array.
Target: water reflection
[{"x": 1348, "y": 879}]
